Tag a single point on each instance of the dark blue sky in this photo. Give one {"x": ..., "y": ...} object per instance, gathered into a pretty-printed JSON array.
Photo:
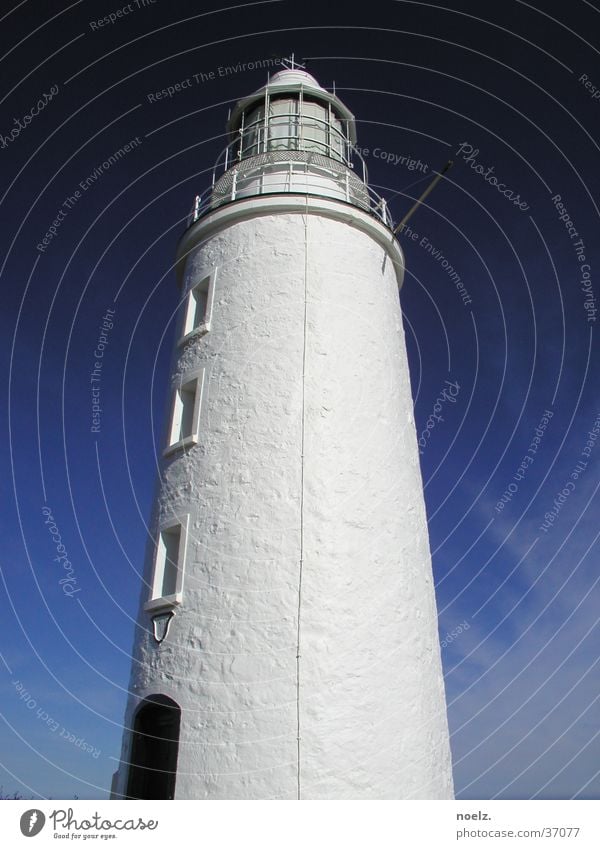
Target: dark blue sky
[{"x": 511, "y": 472}]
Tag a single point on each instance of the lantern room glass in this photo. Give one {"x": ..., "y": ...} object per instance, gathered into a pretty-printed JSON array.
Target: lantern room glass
[{"x": 293, "y": 124}]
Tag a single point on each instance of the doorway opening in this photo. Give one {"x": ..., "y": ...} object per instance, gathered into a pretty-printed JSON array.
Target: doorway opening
[{"x": 153, "y": 761}]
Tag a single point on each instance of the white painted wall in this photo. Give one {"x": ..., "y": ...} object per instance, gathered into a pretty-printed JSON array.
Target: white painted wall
[{"x": 306, "y": 356}]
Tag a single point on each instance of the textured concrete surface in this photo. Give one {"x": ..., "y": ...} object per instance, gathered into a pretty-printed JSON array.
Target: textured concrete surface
[{"x": 308, "y": 533}]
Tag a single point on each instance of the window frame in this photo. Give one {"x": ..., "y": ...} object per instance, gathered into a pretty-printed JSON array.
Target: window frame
[
  {"x": 204, "y": 326},
  {"x": 156, "y": 602},
  {"x": 196, "y": 377}
]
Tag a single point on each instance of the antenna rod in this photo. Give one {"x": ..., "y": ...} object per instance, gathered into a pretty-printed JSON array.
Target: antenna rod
[{"x": 429, "y": 189}]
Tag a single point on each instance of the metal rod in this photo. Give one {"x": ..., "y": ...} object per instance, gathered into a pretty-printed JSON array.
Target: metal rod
[
  {"x": 300, "y": 118},
  {"x": 266, "y": 122},
  {"x": 429, "y": 189}
]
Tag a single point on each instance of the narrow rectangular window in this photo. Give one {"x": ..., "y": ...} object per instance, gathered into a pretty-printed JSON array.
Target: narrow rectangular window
[
  {"x": 169, "y": 563},
  {"x": 198, "y": 308},
  {"x": 183, "y": 414},
  {"x": 169, "y": 558},
  {"x": 197, "y": 302},
  {"x": 185, "y": 411}
]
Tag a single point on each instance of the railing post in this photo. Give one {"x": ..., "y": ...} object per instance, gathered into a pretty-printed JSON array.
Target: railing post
[
  {"x": 266, "y": 120},
  {"x": 300, "y": 121},
  {"x": 240, "y": 145}
]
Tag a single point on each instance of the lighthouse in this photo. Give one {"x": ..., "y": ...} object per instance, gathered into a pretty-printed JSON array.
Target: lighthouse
[{"x": 286, "y": 645}]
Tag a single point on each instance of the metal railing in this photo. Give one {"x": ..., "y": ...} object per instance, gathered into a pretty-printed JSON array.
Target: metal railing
[
  {"x": 234, "y": 152},
  {"x": 288, "y": 172}
]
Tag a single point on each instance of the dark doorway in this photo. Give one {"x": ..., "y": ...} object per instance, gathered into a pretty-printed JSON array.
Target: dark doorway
[{"x": 153, "y": 765}]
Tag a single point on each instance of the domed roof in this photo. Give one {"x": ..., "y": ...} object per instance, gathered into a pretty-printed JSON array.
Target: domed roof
[{"x": 294, "y": 76}]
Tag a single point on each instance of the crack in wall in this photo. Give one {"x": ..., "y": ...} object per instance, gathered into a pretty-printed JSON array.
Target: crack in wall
[{"x": 301, "y": 564}]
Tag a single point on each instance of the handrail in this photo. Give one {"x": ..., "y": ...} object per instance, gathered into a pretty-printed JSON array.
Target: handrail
[
  {"x": 290, "y": 172},
  {"x": 227, "y": 160}
]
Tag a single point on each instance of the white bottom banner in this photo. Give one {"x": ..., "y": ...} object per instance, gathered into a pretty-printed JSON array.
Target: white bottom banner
[{"x": 312, "y": 824}]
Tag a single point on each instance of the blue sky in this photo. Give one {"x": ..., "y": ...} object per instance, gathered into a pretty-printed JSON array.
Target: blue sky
[{"x": 517, "y": 592}]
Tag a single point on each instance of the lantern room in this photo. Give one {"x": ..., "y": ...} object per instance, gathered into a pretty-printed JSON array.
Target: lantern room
[
  {"x": 292, "y": 113},
  {"x": 291, "y": 136}
]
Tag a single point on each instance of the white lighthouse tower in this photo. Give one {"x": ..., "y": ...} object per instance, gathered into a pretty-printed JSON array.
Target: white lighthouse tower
[{"x": 287, "y": 640}]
